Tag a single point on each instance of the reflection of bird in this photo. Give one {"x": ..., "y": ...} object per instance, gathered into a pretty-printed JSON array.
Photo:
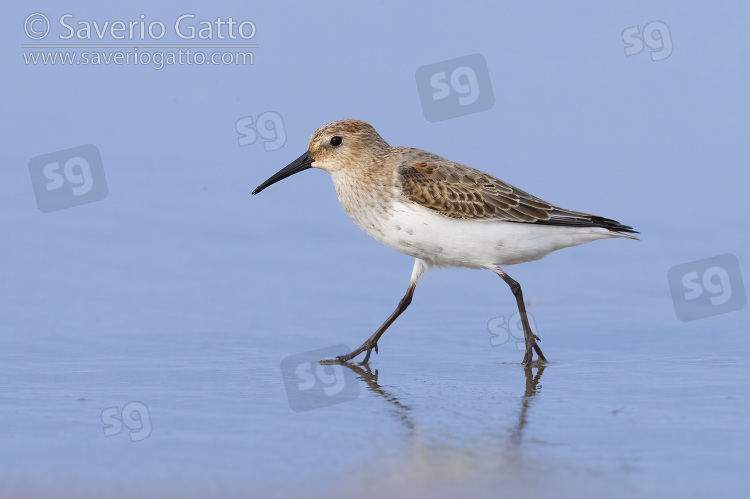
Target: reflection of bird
[
  {"x": 364, "y": 373},
  {"x": 441, "y": 213}
]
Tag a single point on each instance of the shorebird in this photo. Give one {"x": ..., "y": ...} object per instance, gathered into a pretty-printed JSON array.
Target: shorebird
[{"x": 441, "y": 213}]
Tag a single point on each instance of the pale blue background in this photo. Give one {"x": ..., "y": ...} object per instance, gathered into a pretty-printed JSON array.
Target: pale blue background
[{"x": 183, "y": 292}]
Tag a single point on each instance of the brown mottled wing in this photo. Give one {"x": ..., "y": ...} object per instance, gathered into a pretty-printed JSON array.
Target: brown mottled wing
[{"x": 459, "y": 191}]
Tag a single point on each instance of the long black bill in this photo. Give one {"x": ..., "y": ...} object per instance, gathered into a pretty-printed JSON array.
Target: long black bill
[{"x": 302, "y": 163}]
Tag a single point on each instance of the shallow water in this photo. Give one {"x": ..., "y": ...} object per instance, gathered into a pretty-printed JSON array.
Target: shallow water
[{"x": 632, "y": 401}]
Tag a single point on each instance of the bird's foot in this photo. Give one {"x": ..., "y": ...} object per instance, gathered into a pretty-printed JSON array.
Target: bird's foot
[
  {"x": 532, "y": 347},
  {"x": 367, "y": 346}
]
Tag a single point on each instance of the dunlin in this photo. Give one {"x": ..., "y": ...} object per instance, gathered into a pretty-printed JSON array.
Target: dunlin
[{"x": 442, "y": 213}]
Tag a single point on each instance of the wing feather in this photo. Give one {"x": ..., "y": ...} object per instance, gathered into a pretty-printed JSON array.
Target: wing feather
[{"x": 459, "y": 191}]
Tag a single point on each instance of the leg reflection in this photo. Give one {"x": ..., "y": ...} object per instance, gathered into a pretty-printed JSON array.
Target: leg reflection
[
  {"x": 532, "y": 388},
  {"x": 401, "y": 410}
]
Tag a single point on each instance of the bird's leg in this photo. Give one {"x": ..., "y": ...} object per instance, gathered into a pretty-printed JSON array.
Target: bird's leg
[
  {"x": 371, "y": 344},
  {"x": 529, "y": 337}
]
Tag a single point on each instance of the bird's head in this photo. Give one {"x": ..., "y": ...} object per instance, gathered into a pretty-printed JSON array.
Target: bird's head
[{"x": 343, "y": 144}]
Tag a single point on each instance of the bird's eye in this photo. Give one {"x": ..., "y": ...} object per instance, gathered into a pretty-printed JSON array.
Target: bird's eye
[{"x": 336, "y": 141}]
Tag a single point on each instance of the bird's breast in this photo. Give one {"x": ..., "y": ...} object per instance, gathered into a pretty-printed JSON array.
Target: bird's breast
[
  {"x": 381, "y": 211},
  {"x": 369, "y": 205}
]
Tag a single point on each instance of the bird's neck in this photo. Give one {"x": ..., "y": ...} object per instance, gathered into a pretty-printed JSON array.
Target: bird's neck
[{"x": 365, "y": 197}]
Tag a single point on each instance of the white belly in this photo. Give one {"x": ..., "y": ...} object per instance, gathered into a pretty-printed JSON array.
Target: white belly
[{"x": 447, "y": 242}]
